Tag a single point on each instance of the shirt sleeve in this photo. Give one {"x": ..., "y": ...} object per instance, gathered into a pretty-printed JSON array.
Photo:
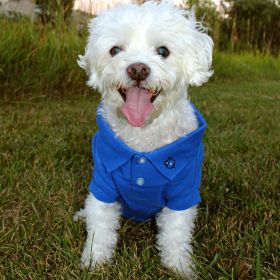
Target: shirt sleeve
[
  {"x": 102, "y": 184},
  {"x": 183, "y": 192}
]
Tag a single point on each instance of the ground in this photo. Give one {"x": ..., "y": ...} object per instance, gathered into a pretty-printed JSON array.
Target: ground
[{"x": 45, "y": 167}]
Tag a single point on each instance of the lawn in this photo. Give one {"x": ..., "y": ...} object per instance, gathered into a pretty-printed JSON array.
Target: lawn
[
  {"x": 47, "y": 119},
  {"x": 45, "y": 161}
]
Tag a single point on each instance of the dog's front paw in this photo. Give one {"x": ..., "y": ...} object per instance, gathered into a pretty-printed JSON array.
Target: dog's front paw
[
  {"x": 87, "y": 261},
  {"x": 181, "y": 265},
  {"x": 79, "y": 215},
  {"x": 93, "y": 256},
  {"x": 91, "y": 260}
]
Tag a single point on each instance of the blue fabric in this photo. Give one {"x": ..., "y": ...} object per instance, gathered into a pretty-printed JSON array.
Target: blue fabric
[{"x": 142, "y": 182}]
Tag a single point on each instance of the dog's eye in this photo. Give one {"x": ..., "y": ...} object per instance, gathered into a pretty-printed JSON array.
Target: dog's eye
[
  {"x": 163, "y": 51},
  {"x": 115, "y": 50}
]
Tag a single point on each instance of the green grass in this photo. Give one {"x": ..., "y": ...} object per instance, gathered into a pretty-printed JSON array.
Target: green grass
[
  {"x": 47, "y": 119},
  {"x": 40, "y": 60},
  {"x": 45, "y": 161}
]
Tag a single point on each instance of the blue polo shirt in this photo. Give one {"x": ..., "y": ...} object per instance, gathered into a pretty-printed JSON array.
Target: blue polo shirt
[{"x": 145, "y": 182}]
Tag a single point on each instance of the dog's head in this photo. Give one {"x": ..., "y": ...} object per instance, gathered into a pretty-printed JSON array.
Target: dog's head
[{"x": 142, "y": 58}]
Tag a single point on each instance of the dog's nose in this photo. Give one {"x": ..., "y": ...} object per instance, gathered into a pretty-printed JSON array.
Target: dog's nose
[{"x": 138, "y": 71}]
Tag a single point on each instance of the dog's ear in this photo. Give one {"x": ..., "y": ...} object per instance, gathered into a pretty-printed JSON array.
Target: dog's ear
[
  {"x": 198, "y": 53},
  {"x": 86, "y": 61}
]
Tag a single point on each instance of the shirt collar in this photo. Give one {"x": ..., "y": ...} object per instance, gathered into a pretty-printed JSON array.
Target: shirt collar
[{"x": 168, "y": 160}]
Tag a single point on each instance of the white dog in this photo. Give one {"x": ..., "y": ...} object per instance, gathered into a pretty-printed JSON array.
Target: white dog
[{"x": 148, "y": 150}]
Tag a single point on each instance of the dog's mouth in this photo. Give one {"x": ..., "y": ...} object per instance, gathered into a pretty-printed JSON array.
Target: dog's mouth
[
  {"x": 138, "y": 103},
  {"x": 154, "y": 93}
]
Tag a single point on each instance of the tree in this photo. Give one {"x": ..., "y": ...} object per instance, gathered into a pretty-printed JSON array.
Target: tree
[{"x": 254, "y": 25}]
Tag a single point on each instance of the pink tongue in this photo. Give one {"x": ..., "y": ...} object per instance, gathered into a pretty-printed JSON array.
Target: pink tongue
[{"x": 137, "y": 106}]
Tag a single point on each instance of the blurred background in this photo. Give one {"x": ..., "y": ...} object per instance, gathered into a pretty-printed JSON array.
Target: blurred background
[{"x": 43, "y": 38}]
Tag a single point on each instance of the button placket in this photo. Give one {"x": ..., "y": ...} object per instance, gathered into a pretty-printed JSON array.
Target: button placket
[{"x": 137, "y": 170}]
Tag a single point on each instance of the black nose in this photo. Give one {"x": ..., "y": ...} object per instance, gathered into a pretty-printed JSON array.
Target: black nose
[{"x": 138, "y": 71}]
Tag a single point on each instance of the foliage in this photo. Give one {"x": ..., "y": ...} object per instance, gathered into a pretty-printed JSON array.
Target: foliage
[
  {"x": 55, "y": 11},
  {"x": 255, "y": 25},
  {"x": 240, "y": 25},
  {"x": 251, "y": 25},
  {"x": 37, "y": 59}
]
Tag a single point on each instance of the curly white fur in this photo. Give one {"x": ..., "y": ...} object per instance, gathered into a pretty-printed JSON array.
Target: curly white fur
[
  {"x": 103, "y": 221},
  {"x": 139, "y": 30},
  {"x": 174, "y": 238}
]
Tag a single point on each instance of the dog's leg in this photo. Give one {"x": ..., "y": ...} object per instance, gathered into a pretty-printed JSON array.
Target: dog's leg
[
  {"x": 103, "y": 222},
  {"x": 174, "y": 240}
]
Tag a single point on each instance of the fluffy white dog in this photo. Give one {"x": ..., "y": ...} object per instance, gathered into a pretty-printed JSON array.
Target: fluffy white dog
[{"x": 148, "y": 150}]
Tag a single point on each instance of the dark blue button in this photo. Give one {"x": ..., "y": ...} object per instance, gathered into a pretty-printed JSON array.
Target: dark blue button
[{"x": 169, "y": 163}]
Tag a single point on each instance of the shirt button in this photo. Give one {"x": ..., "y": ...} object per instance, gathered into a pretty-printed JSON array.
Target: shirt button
[
  {"x": 142, "y": 160},
  {"x": 140, "y": 181}
]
